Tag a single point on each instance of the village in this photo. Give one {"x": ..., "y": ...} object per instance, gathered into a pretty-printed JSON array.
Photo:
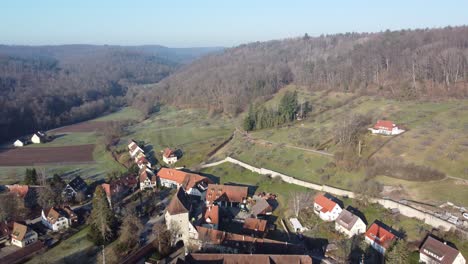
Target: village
[{"x": 202, "y": 220}]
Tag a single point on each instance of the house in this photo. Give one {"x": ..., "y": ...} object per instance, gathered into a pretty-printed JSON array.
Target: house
[
  {"x": 255, "y": 227},
  {"x": 21, "y": 142},
  {"x": 22, "y": 235},
  {"x": 27, "y": 194},
  {"x": 210, "y": 217},
  {"x": 169, "y": 156},
  {"x": 56, "y": 218},
  {"x": 436, "y": 251},
  {"x": 327, "y": 207},
  {"x": 142, "y": 161},
  {"x": 349, "y": 224},
  {"x": 386, "y": 127},
  {"x": 177, "y": 217},
  {"x": 38, "y": 137},
  {"x": 134, "y": 149},
  {"x": 74, "y": 187},
  {"x": 226, "y": 195},
  {"x": 147, "y": 179},
  {"x": 380, "y": 236},
  {"x": 117, "y": 189},
  {"x": 262, "y": 204},
  {"x": 210, "y": 258},
  {"x": 193, "y": 184}
]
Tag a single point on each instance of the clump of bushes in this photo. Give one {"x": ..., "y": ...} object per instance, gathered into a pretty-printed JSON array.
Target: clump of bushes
[{"x": 395, "y": 167}]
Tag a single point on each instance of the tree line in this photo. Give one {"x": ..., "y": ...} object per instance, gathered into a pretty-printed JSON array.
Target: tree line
[
  {"x": 406, "y": 65},
  {"x": 45, "y": 87}
]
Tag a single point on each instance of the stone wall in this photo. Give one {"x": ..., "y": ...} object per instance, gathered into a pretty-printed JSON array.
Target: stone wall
[{"x": 405, "y": 210}]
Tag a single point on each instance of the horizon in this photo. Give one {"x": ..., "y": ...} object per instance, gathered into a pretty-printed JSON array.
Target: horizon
[{"x": 184, "y": 24}]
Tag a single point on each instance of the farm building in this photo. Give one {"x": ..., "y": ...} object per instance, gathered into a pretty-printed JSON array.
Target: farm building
[{"x": 386, "y": 127}]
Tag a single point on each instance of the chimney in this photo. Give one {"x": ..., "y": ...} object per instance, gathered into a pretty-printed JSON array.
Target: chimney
[{"x": 445, "y": 242}]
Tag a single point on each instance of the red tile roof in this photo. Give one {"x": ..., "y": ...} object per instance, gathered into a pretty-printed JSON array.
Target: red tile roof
[
  {"x": 380, "y": 235},
  {"x": 144, "y": 175},
  {"x": 384, "y": 124},
  {"x": 168, "y": 153},
  {"x": 20, "y": 190},
  {"x": 226, "y": 193},
  {"x": 211, "y": 214},
  {"x": 188, "y": 180},
  {"x": 326, "y": 203},
  {"x": 247, "y": 258},
  {"x": 19, "y": 231},
  {"x": 255, "y": 224},
  {"x": 52, "y": 215}
]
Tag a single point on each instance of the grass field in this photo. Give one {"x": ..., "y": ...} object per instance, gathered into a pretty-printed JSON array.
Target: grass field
[
  {"x": 126, "y": 113},
  {"x": 76, "y": 249},
  {"x": 191, "y": 131},
  {"x": 436, "y": 137}
]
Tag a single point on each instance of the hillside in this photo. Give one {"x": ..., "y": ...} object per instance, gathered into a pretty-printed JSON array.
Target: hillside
[
  {"x": 48, "y": 86},
  {"x": 435, "y": 138},
  {"x": 408, "y": 64}
]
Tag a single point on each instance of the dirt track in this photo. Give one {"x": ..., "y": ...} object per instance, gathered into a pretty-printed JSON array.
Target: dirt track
[{"x": 40, "y": 155}]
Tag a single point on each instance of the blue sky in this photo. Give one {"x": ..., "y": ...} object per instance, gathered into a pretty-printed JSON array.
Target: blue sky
[{"x": 178, "y": 23}]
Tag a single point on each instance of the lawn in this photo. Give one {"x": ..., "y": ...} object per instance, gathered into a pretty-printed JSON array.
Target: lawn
[
  {"x": 75, "y": 249},
  {"x": 69, "y": 139}
]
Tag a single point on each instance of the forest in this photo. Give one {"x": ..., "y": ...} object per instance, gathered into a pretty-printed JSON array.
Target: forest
[
  {"x": 424, "y": 64},
  {"x": 49, "y": 86}
]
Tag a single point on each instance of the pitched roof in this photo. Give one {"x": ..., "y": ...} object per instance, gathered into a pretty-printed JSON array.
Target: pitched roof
[
  {"x": 347, "y": 219},
  {"x": 144, "y": 175},
  {"x": 52, "y": 214},
  {"x": 438, "y": 251},
  {"x": 200, "y": 258},
  {"x": 78, "y": 184},
  {"x": 255, "y": 224},
  {"x": 211, "y": 214},
  {"x": 180, "y": 203},
  {"x": 188, "y": 180},
  {"x": 226, "y": 193},
  {"x": 20, "y": 190},
  {"x": 19, "y": 231},
  {"x": 381, "y": 234},
  {"x": 384, "y": 124},
  {"x": 262, "y": 245},
  {"x": 326, "y": 203},
  {"x": 168, "y": 152},
  {"x": 261, "y": 206}
]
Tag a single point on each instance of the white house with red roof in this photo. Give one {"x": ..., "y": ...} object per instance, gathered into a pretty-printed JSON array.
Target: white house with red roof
[
  {"x": 380, "y": 236},
  {"x": 386, "y": 127},
  {"x": 169, "y": 156},
  {"x": 147, "y": 179},
  {"x": 22, "y": 235},
  {"x": 326, "y": 207}
]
